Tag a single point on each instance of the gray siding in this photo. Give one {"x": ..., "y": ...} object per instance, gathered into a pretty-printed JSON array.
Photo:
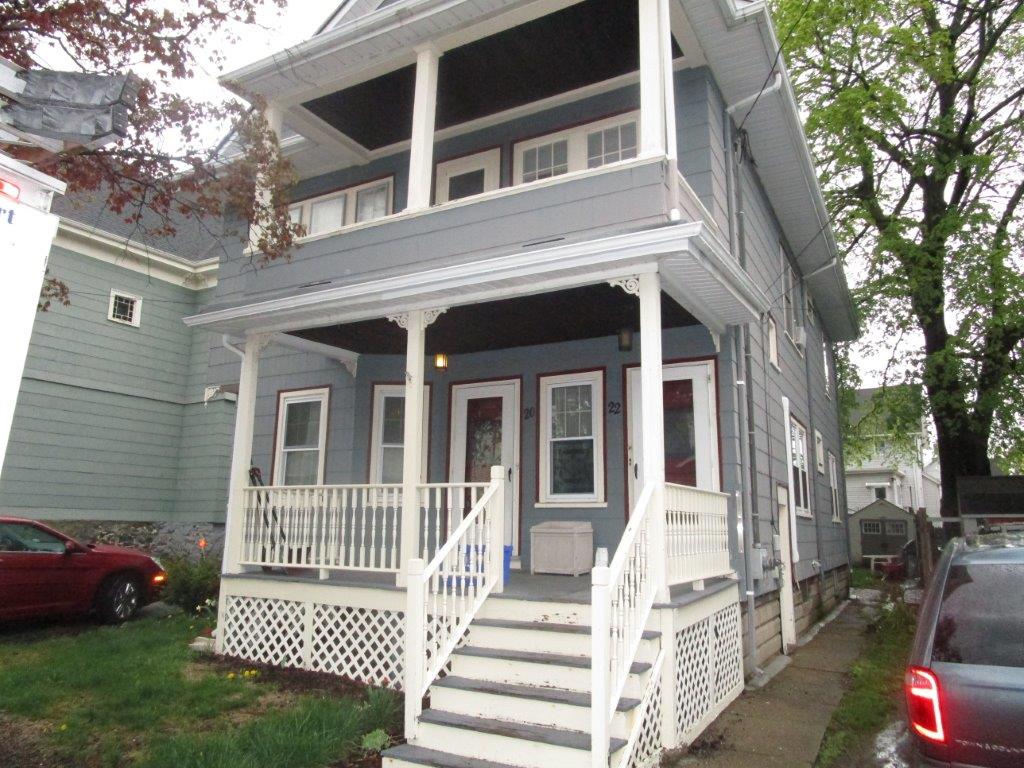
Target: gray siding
[{"x": 107, "y": 424}]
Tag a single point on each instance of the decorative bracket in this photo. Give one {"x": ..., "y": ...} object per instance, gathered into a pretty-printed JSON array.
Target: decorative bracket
[
  {"x": 629, "y": 284},
  {"x": 429, "y": 316}
]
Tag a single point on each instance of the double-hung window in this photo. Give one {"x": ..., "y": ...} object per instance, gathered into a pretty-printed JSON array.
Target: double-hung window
[
  {"x": 387, "y": 438},
  {"x": 799, "y": 468},
  {"x": 790, "y": 298},
  {"x": 331, "y": 212},
  {"x": 833, "y": 484},
  {"x": 572, "y": 439},
  {"x": 827, "y": 364},
  {"x": 301, "y": 437},
  {"x": 575, "y": 149}
]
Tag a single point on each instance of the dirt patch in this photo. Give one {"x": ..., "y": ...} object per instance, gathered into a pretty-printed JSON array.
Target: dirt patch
[
  {"x": 23, "y": 745},
  {"x": 294, "y": 681}
]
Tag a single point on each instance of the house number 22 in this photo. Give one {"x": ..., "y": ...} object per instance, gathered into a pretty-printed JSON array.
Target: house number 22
[{"x": 614, "y": 407}]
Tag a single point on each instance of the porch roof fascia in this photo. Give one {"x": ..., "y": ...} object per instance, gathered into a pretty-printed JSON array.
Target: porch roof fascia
[{"x": 682, "y": 253}]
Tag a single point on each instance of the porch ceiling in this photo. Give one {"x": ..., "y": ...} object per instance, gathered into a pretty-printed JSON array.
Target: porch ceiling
[
  {"x": 587, "y": 312},
  {"x": 581, "y": 45}
]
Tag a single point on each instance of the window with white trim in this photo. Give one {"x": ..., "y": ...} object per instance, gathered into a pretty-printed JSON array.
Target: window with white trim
[
  {"x": 572, "y": 438},
  {"x": 833, "y": 484},
  {"x": 301, "y": 437},
  {"x": 819, "y": 452},
  {"x": 827, "y": 363},
  {"x": 576, "y": 149},
  {"x": 125, "y": 308},
  {"x": 790, "y": 298},
  {"x": 881, "y": 492},
  {"x": 468, "y": 176},
  {"x": 773, "y": 343},
  {"x": 799, "y": 467},
  {"x": 895, "y": 528},
  {"x": 331, "y": 212},
  {"x": 870, "y": 526},
  {"x": 387, "y": 440}
]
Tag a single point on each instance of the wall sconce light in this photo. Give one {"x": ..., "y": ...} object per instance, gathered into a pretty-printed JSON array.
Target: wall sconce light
[
  {"x": 625, "y": 340},
  {"x": 441, "y": 361}
]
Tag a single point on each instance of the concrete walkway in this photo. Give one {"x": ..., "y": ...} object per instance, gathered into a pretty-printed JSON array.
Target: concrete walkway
[{"x": 782, "y": 724}]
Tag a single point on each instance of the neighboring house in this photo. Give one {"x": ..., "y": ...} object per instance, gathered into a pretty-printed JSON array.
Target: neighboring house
[
  {"x": 893, "y": 473},
  {"x": 880, "y": 530},
  {"x": 547, "y": 278},
  {"x": 115, "y": 435}
]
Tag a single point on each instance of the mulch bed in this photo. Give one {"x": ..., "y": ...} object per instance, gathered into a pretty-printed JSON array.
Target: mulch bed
[{"x": 291, "y": 680}]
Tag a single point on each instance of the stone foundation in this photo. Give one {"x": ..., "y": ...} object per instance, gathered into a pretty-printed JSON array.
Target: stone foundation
[
  {"x": 813, "y": 599},
  {"x": 167, "y": 539}
]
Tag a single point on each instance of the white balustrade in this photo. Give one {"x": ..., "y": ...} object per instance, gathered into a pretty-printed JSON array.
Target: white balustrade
[
  {"x": 445, "y": 594},
  {"x": 329, "y": 527},
  {"x": 622, "y": 596},
  {"x": 443, "y": 506},
  {"x": 697, "y": 534}
]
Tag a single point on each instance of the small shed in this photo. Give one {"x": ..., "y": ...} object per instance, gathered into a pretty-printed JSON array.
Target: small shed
[{"x": 880, "y": 528}]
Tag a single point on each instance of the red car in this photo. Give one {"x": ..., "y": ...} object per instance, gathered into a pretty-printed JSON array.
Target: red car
[{"x": 45, "y": 573}]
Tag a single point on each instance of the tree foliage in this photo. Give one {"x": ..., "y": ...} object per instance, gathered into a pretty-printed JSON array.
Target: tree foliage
[
  {"x": 165, "y": 173},
  {"x": 915, "y": 115}
]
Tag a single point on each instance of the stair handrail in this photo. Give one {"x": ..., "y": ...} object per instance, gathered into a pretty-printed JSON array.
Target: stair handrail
[
  {"x": 622, "y": 597},
  {"x": 466, "y": 569}
]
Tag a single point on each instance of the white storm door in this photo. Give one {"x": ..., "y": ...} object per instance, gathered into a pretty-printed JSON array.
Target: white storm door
[
  {"x": 485, "y": 433},
  {"x": 691, "y": 427}
]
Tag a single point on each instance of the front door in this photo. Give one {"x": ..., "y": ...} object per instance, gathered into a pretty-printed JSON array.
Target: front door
[
  {"x": 485, "y": 433},
  {"x": 691, "y": 427}
]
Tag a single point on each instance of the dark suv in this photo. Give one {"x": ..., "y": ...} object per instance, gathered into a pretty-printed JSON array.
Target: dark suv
[{"x": 965, "y": 681}]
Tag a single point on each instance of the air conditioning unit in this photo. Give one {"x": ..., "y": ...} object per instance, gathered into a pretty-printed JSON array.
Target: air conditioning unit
[{"x": 800, "y": 336}]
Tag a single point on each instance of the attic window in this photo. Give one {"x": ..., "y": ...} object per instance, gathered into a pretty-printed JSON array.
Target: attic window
[{"x": 125, "y": 308}]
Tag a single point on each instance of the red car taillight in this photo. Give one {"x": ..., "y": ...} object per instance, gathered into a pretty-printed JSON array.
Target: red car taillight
[{"x": 924, "y": 704}]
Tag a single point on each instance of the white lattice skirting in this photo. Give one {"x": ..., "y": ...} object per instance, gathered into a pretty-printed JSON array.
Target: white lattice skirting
[
  {"x": 709, "y": 668},
  {"x": 339, "y": 632}
]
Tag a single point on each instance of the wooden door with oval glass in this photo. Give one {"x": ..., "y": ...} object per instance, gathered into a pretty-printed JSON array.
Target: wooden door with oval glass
[
  {"x": 485, "y": 433},
  {"x": 691, "y": 426}
]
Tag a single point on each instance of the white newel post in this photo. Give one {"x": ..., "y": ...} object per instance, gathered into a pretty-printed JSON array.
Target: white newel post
[
  {"x": 653, "y": 421},
  {"x": 496, "y": 521},
  {"x": 600, "y": 632},
  {"x": 421, "y": 154},
  {"x": 415, "y": 600},
  {"x": 241, "y": 451},
  {"x": 655, "y": 77}
]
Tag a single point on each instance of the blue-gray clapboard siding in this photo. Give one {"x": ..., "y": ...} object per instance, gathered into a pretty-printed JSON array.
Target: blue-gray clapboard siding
[
  {"x": 613, "y": 202},
  {"x": 109, "y": 423}
]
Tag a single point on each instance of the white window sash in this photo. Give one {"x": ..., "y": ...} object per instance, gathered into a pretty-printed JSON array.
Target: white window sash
[
  {"x": 594, "y": 379},
  {"x": 136, "y": 308},
  {"x": 577, "y": 144},
  {"x": 301, "y": 211},
  {"x": 377, "y": 444},
  {"x": 284, "y": 399}
]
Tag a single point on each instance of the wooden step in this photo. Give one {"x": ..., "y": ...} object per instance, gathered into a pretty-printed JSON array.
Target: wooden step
[
  {"x": 569, "y": 639},
  {"x": 410, "y": 755}
]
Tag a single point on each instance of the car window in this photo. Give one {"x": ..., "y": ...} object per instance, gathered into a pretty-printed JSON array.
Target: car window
[
  {"x": 981, "y": 620},
  {"x": 22, "y": 537}
]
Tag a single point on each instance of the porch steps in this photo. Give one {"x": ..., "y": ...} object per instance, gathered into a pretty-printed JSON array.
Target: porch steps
[{"x": 520, "y": 691}]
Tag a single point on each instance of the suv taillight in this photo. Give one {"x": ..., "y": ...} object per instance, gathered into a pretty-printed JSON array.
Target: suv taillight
[{"x": 924, "y": 704}]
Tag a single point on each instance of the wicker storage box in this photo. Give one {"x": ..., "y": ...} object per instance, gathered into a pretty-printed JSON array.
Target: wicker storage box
[{"x": 562, "y": 546}]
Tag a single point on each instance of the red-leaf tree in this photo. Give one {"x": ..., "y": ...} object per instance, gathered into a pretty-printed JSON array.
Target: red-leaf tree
[{"x": 166, "y": 173}]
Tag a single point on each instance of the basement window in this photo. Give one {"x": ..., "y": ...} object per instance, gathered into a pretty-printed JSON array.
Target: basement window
[{"x": 125, "y": 308}]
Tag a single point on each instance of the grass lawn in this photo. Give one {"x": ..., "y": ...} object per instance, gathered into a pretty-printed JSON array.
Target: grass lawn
[
  {"x": 863, "y": 578},
  {"x": 135, "y": 696},
  {"x": 872, "y": 701}
]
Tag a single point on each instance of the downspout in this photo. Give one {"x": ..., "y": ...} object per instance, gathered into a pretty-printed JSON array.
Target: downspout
[
  {"x": 225, "y": 341},
  {"x": 741, "y": 360}
]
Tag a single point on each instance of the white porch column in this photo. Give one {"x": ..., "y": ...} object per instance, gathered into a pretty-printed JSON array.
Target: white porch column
[
  {"x": 421, "y": 155},
  {"x": 653, "y": 420},
  {"x": 415, "y": 324},
  {"x": 274, "y": 115},
  {"x": 241, "y": 451},
  {"x": 657, "y": 105}
]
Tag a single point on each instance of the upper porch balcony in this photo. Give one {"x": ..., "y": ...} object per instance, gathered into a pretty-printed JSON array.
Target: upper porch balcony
[{"x": 542, "y": 122}]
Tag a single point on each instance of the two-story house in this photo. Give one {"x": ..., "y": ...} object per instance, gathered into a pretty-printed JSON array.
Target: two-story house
[{"x": 565, "y": 261}]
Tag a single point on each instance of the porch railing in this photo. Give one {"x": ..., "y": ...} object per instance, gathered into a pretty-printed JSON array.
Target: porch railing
[
  {"x": 351, "y": 527},
  {"x": 622, "y": 596},
  {"x": 444, "y": 595},
  {"x": 696, "y": 534}
]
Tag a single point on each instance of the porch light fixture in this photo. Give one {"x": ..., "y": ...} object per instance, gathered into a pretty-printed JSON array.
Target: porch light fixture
[
  {"x": 441, "y": 361},
  {"x": 625, "y": 339}
]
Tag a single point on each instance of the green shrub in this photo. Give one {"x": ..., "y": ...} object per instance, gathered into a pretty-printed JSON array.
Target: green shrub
[{"x": 190, "y": 583}]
